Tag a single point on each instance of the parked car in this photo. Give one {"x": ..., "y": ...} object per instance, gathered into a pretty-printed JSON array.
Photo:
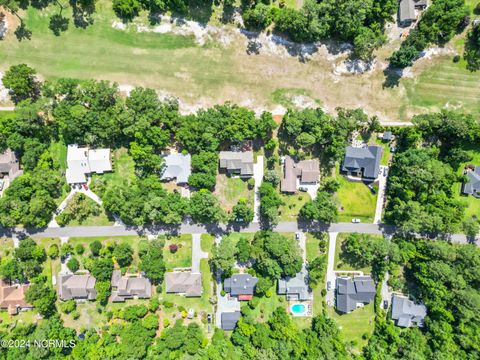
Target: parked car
[
  {"x": 209, "y": 318},
  {"x": 385, "y": 304},
  {"x": 356, "y": 221},
  {"x": 85, "y": 186},
  {"x": 303, "y": 188},
  {"x": 297, "y": 236},
  {"x": 329, "y": 285}
]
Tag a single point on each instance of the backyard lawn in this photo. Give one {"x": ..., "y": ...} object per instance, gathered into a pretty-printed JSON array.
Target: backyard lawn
[
  {"x": 356, "y": 200},
  {"x": 207, "y": 242},
  {"x": 182, "y": 258},
  {"x": 123, "y": 169},
  {"x": 313, "y": 244},
  {"x": 6, "y": 246},
  {"x": 341, "y": 261},
  {"x": 230, "y": 189},
  {"x": 292, "y": 205},
  {"x": 386, "y": 150},
  {"x": 355, "y": 324}
]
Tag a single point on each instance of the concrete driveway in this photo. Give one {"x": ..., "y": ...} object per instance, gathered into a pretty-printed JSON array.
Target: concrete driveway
[
  {"x": 382, "y": 188},
  {"x": 330, "y": 297},
  {"x": 197, "y": 253},
  {"x": 386, "y": 294},
  {"x": 258, "y": 177}
]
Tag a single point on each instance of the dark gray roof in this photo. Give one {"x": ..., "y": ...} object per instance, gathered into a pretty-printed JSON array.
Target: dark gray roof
[
  {"x": 187, "y": 283},
  {"x": 365, "y": 160},
  {"x": 297, "y": 285},
  {"x": 472, "y": 186},
  {"x": 236, "y": 161},
  {"x": 240, "y": 284},
  {"x": 406, "y": 312},
  {"x": 9, "y": 164},
  {"x": 350, "y": 292},
  {"x": 406, "y": 11},
  {"x": 229, "y": 320}
]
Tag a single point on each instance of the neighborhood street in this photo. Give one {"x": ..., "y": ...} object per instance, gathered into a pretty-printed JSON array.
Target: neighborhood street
[{"x": 190, "y": 228}]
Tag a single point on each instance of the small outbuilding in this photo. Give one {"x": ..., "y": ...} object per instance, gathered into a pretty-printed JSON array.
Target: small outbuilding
[{"x": 229, "y": 320}]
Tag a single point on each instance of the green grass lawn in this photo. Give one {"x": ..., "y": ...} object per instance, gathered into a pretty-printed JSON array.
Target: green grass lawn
[
  {"x": 355, "y": 324},
  {"x": 183, "y": 256},
  {"x": 341, "y": 261},
  {"x": 386, "y": 155},
  {"x": 267, "y": 305},
  {"x": 313, "y": 244},
  {"x": 58, "y": 150},
  {"x": 123, "y": 169},
  {"x": 445, "y": 83},
  {"x": 6, "y": 246},
  {"x": 356, "y": 200},
  {"x": 24, "y": 317},
  {"x": 292, "y": 205},
  {"x": 207, "y": 242},
  {"x": 230, "y": 189}
]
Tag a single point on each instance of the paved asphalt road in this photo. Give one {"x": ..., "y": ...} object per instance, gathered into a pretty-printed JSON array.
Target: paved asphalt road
[{"x": 187, "y": 228}]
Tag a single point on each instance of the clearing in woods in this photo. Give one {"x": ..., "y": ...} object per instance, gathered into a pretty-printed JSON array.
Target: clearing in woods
[{"x": 221, "y": 70}]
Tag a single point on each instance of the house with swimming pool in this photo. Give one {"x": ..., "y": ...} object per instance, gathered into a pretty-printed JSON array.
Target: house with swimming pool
[{"x": 295, "y": 288}]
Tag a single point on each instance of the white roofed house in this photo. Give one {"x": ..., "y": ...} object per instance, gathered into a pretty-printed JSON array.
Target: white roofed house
[
  {"x": 178, "y": 167},
  {"x": 82, "y": 161}
]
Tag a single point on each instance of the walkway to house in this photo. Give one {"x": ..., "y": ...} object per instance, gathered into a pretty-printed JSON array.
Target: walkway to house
[{"x": 258, "y": 177}]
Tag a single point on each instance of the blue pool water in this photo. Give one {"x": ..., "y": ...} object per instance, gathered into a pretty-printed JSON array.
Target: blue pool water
[{"x": 298, "y": 309}]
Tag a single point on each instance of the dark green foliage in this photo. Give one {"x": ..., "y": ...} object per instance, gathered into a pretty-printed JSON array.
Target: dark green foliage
[
  {"x": 275, "y": 255},
  {"x": 26, "y": 262},
  {"x": 21, "y": 82},
  {"x": 205, "y": 208},
  {"x": 151, "y": 261},
  {"x": 242, "y": 212},
  {"x": 316, "y": 271},
  {"x": 323, "y": 208},
  {"x": 73, "y": 264},
  {"x": 259, "y": 17},
  {"x": 43, "y": 298},
  {"x": 123, "y": 254},
  {"x": 101, "y": 268},
  {"x": 126, "y": 9},
  {"x": 95, "y": 247},
  {"x": 472, "y": 49},
  {"x": 79, "y": 208},
  {"x": 270, "y": 201},
  {"x": 223, "y": 254},
  {"x": 421, "y": 195},
  {"x": 103, "y": 291},
  {"x": 244, "y": 249},
  {"x": 438, "y": 24}
]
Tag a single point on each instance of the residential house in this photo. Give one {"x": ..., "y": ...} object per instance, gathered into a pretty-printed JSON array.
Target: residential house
[
  {"x": 295, "y": 288},
  {"x": 406, "y": 312},
  {"x": 178, "y": 167},
  {"x": 84, "y": 161},
  {"x": 307, "y": 171},
  {"x": 9, "y": 165},
  {"x": 362, "y": 162},
  {"x": 354, "y": 293},
  {"x": 472, "y": 186},
  {"x": 406, "y": 10},
  {"x": 229, "y": 320},
  {"x": 240, "y": 285},
  {"x": 12, "y": 297},
  {"x": 185, "y": 283},
  {"x": 78, "y": 287},
  {"x": 237, "y": 162},
  {"x": 127, "y": 287}
]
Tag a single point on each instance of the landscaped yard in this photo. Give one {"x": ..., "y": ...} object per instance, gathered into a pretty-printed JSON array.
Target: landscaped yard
[
  {"x": 341, "y": 261},
  {"x": 355, "y": 200},
  {"x": 123, "y": 169},
  {"x": 355, "y": 324},
  {"x": 230, "y": 189},
  {"x": 313, "y": 244},
  {"x": 6, "y": 246},
  {"x": 207, "y": 242},
  {"x": 182, "y": 258},
  {"x": 386, "y": 150},
  {"x": 292, "y": 205}
]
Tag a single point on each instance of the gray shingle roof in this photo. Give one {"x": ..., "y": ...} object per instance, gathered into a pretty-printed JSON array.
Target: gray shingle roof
[
  {"x": 186, "y": 283},
  {"x": 307, "y": 170},
  {"x": 472, "y": 186},
  {"x": 365, "y": 160},
  {"x": 350, "y": 292},
  {"x": 406, "y": 312},
  {"x": 296, "y": 286},
  {"x": 229, "y": 320},
  {"x": 237, "y": 162},
  {"x": 9, "y": 164},
  {"x": 76, "y": 287},
  {"x": 125, "y": 287},
  {"x": 240, "y": 284},
  {"x": 177, "y": 166},
  {"x": 406, "y": 11}
]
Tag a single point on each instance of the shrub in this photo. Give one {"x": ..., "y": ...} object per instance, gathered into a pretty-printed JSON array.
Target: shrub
[
  {"x": 184, "y": 314},
  {"x": 73, "y": 265},
  {"x": 79, "y": 249},
  {"x": 95, "y": 247},
  {"x": 168, "y": 304},
  {"x": 254, "y": 302},
  {"x": 53, "y": 251},
  {"x": 269, "y": 293},
  {"x": 75, "y": 315},
  {"x": 222, "y": 292},
  {"x": 456, "y": 58},
  {"x": 173, "y": 248},
  {"x": 154, "y": 304},
  {"x": 68, "y": 306},
  {"x": 166, "y": 323},
  {"x": 181, "y": 308}
]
